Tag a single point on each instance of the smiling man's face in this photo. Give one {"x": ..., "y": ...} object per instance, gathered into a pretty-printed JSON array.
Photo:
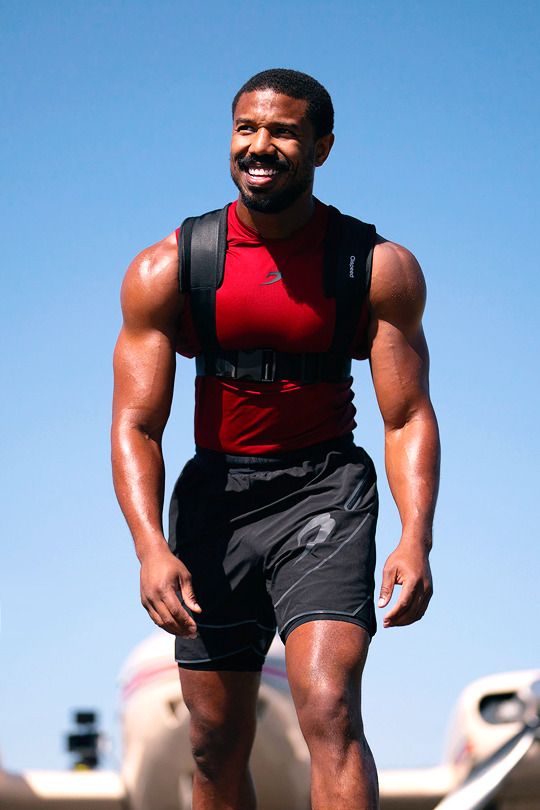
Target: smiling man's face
[{"x": 273, "y": 150}]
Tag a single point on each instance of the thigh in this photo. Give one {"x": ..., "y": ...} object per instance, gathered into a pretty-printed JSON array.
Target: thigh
[
  {"x": 325, "y": 661},
  {"x": 221, "y": 700},
  {"x": 326, "y": 650}
]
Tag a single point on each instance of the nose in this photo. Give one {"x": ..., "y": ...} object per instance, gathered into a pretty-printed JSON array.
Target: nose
[{"x": 261, "y": 143}]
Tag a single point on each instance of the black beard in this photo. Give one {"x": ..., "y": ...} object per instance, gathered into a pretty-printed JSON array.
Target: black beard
[{"x": 273, "y": 202}]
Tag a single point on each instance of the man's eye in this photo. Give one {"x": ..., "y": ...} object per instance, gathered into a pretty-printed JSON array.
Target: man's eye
[{"x": 245, "y": 128}]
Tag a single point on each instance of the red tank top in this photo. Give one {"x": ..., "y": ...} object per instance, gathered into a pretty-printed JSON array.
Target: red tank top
[{"x": 272, "y": 297}]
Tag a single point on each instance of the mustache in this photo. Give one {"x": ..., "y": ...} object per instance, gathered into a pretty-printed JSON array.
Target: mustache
[{"x": 265, "y": 161}]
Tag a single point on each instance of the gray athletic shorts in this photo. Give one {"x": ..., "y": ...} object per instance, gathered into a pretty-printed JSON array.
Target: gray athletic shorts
[{"x": 272, "y": 543}]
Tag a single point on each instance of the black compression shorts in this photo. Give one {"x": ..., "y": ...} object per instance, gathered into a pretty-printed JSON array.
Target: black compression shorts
[{"x": 273, "y": 543}]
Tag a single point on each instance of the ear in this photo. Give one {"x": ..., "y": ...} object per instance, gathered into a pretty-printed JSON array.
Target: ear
[{"x": 322, "y": 148}]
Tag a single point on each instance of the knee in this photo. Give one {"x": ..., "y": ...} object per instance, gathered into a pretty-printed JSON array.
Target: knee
[
  {"x": 217, "y": 741},
  {"x": 329, "y": 714}
]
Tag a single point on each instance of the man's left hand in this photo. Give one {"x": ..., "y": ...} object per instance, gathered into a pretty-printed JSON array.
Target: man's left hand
[{"x": 407, "y": 566}]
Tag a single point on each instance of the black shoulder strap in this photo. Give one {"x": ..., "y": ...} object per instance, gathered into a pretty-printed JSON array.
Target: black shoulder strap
[
  {"x": 201, "y": 258},
  {"x": 347, "y": 273}
]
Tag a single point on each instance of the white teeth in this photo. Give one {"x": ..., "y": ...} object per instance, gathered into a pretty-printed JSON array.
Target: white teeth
[{"x": 261, "y": 172}]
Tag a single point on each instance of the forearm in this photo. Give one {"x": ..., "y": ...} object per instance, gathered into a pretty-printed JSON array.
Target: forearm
[
  {"x": 139, "y": 477},
  {"x": 412, "y": 453},
  {"x": 139, "y": 480}
]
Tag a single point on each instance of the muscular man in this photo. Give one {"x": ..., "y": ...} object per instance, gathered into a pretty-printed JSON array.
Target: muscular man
[{"x": 272, "y": 523}]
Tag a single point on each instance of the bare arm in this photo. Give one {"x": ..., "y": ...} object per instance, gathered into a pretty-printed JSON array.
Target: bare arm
[
  {"x": 400, "y": 366},
  {"x": 144, "y": 366}
]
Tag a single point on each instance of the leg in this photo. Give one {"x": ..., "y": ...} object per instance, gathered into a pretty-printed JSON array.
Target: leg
[
  {"x": 222, "y": 708},
  {"x": 325, "y": 660}
]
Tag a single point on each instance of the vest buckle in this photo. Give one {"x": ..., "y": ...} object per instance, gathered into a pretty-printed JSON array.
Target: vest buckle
[{"x": 256, "y": 364}]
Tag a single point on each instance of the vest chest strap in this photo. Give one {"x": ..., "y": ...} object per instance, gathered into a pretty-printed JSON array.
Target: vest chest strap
[{"x": 267, "y": 365}]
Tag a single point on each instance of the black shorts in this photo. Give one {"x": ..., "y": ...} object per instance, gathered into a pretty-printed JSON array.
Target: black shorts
[{"x": 273, "y": 543}]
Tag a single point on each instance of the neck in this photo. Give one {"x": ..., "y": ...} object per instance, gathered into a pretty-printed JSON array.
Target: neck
[{"x": 282, "y": 224}]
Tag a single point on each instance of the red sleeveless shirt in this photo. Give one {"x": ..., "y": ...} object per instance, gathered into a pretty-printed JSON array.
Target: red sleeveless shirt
[{"x": 272, "y": 297}]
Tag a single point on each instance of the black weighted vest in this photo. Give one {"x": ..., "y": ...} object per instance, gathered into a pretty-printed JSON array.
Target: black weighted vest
[{"x": 348, "y": 255}]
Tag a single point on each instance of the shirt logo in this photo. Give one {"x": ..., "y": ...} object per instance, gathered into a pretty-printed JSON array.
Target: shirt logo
[
  {"x": 351, "y": 266},
  {"x": 324, "y": 525},
  {"x": 274, "y": 275}
]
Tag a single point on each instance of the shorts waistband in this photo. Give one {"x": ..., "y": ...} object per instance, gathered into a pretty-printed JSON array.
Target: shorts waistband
[{"x": 313, "y": 451}]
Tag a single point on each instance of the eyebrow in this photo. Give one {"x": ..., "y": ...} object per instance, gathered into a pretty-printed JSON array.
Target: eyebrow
[{"x": 287, "y": 124}]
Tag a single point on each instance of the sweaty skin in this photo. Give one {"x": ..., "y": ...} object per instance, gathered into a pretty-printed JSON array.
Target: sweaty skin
[
  {"x": 325, "y": 659},
  {"x": 144, "y": 366},
  {"x": 399, "y": 366}
]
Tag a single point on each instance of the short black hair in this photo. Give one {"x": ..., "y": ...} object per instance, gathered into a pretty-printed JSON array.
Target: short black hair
[{"x": 295, "y": 84}]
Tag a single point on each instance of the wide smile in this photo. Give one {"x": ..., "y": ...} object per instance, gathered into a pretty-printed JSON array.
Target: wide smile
[{"x": 260, "y": 176}]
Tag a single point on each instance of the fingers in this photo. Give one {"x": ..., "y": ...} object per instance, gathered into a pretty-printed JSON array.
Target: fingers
[
  {"x": 410, "y": 607},
  {"x": 167, "y": 613},
  {"x": 387, "y": 587},
  {"x": 163, "y": 579},
  {"x": 412, "y": 572},
  {"x": 188, "y": 594},
  {"x": 403, "y": 611},
  {"x": 180, "y": 617},
  {"x": 178, "y": 624}
]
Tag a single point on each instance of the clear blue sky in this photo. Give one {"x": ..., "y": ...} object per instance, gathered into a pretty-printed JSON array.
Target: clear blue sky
[{"x": 115, "y": 126}]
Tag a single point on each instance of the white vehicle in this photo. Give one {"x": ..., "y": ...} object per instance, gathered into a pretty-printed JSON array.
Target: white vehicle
[{"x": 492, "y": 761}]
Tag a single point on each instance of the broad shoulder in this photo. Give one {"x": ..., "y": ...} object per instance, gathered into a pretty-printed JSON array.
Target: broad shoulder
[
  {"x": 150, "y": 287},
  {"x": 398, "y": 288}
]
